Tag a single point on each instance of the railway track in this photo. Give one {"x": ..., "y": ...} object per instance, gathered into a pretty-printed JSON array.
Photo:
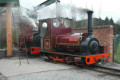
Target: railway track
[
  {"x": 109, "y": 71},
  {"x": 97, "y": 68}
]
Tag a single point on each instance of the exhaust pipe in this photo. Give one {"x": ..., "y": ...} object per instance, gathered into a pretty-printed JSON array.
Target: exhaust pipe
[{"x": 90, "y": 29}]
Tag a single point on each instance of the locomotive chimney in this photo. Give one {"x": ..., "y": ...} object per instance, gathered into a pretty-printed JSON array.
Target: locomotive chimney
[{"x": 90, "y": 30}]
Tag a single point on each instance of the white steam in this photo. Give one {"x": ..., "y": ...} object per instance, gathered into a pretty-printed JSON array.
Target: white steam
[
  {"x": 62, "y": 10},
  {"x": 29, "y": 17},
  {"x": 24, "y": 16}
]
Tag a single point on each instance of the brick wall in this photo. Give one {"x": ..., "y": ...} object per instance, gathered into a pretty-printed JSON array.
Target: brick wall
[{"x": 104, "y": 34}]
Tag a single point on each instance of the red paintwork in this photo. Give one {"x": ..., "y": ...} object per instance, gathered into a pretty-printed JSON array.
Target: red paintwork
[
  {"x": 26, "y": 30},
  {"x": 25, "y": 34},
  {"x": 35, "y": 50},
  {"x": 47, "y": 44},
  {"x": 61, "y": 34},
  {"x": 73, "y": 38},
  {"x": 59, "y": 30},
  {"x": 70, "y": 41},
  {"x": 84, "y": 35},
  {"x": 70, "y": 38},
  {"x": 54, "y": 31},
  {"x": 58, "y": 59},
  {"x": 78, "y": 60},
  {"x": 93, "y": 58}
]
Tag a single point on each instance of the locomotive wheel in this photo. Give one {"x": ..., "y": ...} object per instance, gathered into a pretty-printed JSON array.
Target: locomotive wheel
[{"x": 68, "y": 61}]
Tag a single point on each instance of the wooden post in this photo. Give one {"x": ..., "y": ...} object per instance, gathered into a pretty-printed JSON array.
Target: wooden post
[{"x": 9, "y": 30}]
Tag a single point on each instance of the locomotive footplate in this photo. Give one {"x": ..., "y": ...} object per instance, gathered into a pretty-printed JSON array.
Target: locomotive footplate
[
  {"x": 61, "y": 53},
  {"x": 78, "y": 59}
]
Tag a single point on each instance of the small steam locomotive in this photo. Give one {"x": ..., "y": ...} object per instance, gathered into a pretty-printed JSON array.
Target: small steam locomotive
[{"x": 55, "y": 40}]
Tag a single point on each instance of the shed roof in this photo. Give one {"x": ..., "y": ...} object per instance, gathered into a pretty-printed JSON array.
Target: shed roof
[{"x": 13, "y": 2}]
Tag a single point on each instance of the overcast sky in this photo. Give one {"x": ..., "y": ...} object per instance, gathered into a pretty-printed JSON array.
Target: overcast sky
[{"x": 102, "y": 8}]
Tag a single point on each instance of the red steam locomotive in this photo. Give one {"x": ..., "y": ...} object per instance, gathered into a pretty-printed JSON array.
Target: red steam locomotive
[{"x": 55, "y": 40}]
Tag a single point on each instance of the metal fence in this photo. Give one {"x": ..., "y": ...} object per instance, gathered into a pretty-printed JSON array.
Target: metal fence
[{"x": 116, "y": 41}]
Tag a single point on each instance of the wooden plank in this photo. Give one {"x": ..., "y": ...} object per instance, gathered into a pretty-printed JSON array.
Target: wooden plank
[{"x": 9, "y": 31}]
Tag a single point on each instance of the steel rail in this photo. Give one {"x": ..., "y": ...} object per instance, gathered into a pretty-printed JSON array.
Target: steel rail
[{"x": 106, "y": 70}]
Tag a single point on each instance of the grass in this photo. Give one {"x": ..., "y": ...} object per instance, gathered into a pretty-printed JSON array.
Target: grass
[{"x": 117, "y": 55}]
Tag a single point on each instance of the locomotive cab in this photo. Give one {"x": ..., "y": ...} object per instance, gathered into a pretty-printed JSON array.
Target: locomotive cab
[{"x": 49, "y": 29}]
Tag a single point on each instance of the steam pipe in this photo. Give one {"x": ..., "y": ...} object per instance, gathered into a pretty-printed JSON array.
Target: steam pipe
[{"x": 90, "y": 29}]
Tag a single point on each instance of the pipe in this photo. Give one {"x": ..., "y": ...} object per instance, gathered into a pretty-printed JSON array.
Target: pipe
[{"x": 90, "y": 29}]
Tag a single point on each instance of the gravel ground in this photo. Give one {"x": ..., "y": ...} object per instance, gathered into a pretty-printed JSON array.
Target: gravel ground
[
  {"x": 65, "y": 74},
  {"x": 2, "y": 77},
  {"x": 38, "y": 69}
]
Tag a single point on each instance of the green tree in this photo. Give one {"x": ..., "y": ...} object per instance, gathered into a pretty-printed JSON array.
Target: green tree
[
  {"x": 111, "y": 21},
  {"x": 106, "y": 21},
  {"x": 117, "y": 27},
  {"x": 118, "y": 22}
]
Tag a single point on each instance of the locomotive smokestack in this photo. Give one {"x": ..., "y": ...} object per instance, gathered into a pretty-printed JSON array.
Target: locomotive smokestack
[{"x": 90, "y": 30}]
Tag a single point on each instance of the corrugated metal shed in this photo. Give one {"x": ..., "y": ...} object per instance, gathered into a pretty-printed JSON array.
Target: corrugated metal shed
[
  {"x": 5, "y": 2},
  {"x": 9, "y": 1}
]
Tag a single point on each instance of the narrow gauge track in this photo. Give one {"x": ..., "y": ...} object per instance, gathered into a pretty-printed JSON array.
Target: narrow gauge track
[
  {"x": 97, "y": 68},
  {"x": 106, "y": 70}
]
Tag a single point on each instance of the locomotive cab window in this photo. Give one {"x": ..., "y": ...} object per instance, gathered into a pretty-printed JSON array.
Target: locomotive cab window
[
  {"x": 44, "y": 25},
  {"x": 56, "y": 23},
  {"x": 67, "y": 23}
]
